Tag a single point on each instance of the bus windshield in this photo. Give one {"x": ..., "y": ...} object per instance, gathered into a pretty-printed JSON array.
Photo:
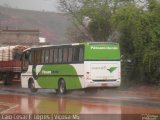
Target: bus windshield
[{"x": 105, "y": 51}]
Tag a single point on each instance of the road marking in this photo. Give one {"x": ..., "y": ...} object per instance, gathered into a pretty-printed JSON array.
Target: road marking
[{"x": 4, "y": 106}]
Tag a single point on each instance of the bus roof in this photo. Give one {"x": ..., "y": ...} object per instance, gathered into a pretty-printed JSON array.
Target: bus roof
[{"x": 71, "y": 44}]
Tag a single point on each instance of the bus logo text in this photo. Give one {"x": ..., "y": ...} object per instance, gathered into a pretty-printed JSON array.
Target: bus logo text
[{"x": 103, "y": 48}]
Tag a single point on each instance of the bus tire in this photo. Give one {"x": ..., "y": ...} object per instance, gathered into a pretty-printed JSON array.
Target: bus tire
[
  {"x": 61, "y": 87},
  {"x": 7, "y": 78},
  {"x": 31, "y": 86},
  {"x": 1, "y": 76}
]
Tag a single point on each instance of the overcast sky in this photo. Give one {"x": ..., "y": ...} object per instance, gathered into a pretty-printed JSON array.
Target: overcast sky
[{"x": 39, "y": 5}]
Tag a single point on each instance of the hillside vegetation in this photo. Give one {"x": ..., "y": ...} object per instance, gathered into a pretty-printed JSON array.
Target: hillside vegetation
[{"x": 52, "y": 25}]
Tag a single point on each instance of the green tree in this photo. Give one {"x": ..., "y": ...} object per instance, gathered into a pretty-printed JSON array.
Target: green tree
[
  {"x": 140, "y": 40},
  {"x": 135, "y": 26},
  {"x": 98, "y": 11},
  {"x": 151, "y": 57}
]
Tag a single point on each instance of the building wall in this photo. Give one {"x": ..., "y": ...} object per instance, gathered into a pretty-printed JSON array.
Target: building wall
[{"x": 19, "y": 37}]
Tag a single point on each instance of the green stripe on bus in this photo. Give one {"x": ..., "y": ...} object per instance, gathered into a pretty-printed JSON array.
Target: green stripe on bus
[{"x": 50, "y": 74}]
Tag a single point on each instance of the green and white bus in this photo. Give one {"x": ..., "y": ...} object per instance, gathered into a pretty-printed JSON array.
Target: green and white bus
[{"x": 72, "y": 66}]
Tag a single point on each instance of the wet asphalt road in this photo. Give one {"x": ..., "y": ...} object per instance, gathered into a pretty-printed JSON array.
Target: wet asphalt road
[{"x": 109, "y": 104}]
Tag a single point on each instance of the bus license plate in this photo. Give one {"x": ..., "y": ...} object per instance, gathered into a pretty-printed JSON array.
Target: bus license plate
[{"x": 104, "y": 84}]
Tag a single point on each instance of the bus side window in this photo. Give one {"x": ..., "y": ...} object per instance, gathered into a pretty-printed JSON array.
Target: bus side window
[
  {"x": 70, "y": 54},
  {"x": 81, "y": 54},
  {"x": 38, "y": 56},
  {"x": 60, "y": 55},
  {"x": 32, "y": 57},
  {"x": 51, "y": 54},
  {"x": 35, "y": 57},
  {"x": 55, "y": 55},
  {"x": 65, "y": 55},
  {"x": 26, "y": 55},
  {"x": 42, "y": 57},
  {"x": 76, "y": 54},
  {"x": 25, "y": 61},
  {"x": 46, "y": 55}
]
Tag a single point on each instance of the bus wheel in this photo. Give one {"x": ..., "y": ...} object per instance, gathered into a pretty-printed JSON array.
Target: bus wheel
[
  {"x": 1, "y": 76},
  {"x": 61, "y": 86},
  {"x": 31, "y": 85},
  {"x": 7, "y": 79}
]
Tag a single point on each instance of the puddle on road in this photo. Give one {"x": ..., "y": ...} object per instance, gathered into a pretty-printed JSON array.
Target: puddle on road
[
  {"x": 38, "y": 105},
  {"x": 4, "y": 106},
  {"x": 34, "y": 104}
]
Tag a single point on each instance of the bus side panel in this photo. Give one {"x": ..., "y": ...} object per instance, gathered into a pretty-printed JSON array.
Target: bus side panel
[{"x": 50, "y": 74}]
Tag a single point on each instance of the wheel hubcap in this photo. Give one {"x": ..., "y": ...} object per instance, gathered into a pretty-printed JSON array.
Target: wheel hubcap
[{"x": 62, "y": 88}]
